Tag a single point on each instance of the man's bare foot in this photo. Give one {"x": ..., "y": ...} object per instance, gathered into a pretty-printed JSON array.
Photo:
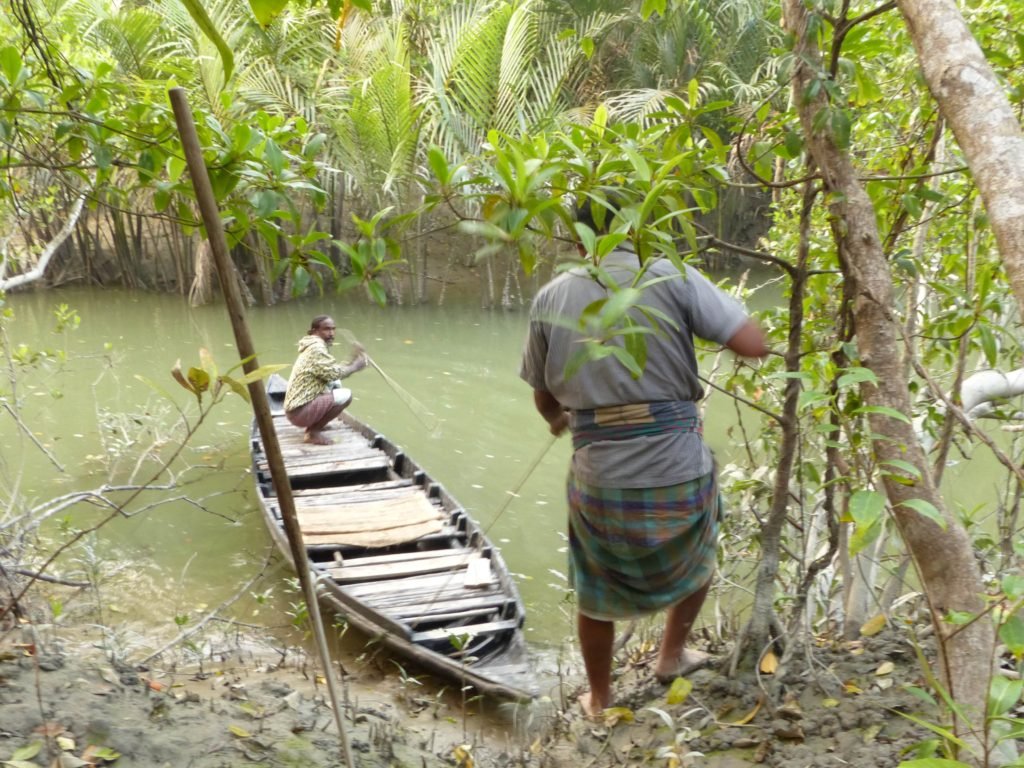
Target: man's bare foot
[
  {"x": 591, "y": 709},
  {"x": 315, "y": 438},
  {"x": 689, "y": 661}
]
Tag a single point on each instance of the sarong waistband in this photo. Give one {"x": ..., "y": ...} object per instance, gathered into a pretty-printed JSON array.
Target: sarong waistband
[{"x": 622, "y": 422}]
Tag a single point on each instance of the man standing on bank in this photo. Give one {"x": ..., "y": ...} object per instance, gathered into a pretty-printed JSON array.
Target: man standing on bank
[
  {"x": 642, "y": 489},
  {"x": 315, "y": 396}
]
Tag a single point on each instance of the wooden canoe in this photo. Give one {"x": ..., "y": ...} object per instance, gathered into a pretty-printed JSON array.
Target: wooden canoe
[{"x": 396, "y": 556}]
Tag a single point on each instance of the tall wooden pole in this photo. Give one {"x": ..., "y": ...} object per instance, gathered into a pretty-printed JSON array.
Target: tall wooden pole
[{"x": 264, "y": 421}]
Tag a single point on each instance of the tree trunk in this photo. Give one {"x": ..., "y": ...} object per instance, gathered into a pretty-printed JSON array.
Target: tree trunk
[
  {"x": 975, "y": 106},
  {"x": 942, "y": 553},
  {"x": 756, "y": 638}
]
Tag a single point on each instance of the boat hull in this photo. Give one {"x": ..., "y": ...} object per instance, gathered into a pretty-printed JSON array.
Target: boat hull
[{"x": 397, "y": 557}]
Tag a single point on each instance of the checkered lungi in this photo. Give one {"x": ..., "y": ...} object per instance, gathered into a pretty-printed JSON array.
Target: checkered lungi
[
  {"x": 307, "y": 415},
  {"x": 634, "y": 551}
]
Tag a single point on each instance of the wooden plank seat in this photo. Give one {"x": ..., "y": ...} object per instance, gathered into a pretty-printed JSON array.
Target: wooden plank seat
[
  {"x": 356, "y": 571},
  {"x": 447, "y": 534},
  {"x": 448, "y": 618},
  {"x": 432, "y": 611},
  {"x": 392, "y": 558},
  {"x": 383, "y": 485},
  {"x": 486, "y": 628},
  {"x": 326, "y": 467},
  {"x": 376, "y": 522},
  {"x": 419, "y": 590},
  {"x": 326, "y": 497}
]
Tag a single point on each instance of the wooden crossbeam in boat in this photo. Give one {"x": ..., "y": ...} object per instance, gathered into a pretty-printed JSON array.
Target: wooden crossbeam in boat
[
  {"x": 355, "y": 573},
  {"x": 324, "y": 497},
  {"x": 393, "y": 558},
  {"x": 325, "y": 466},
  {"x": 398, "y": 534},
  {"x": 324, "y": 544},
  {"x": 432, "y": 618},
  {"x": 486, "y": 628},
  {"x": 367, "y": 516},
  {"x": 425, "y": 610},
  {"x": 384, "y": 485},
  {"x": 419, "y": 591}
]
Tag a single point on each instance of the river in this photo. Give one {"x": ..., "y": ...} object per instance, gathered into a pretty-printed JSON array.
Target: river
[
  {"x": 170, "y": 563},
  {"x": 186, "y": 556}
]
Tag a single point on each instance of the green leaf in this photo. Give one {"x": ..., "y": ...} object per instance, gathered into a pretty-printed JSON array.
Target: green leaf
[
  {"x": 262, "y": 372},
  {"x": 628, "y": 361},
  {"x": 810, "y": 397},
  {"x": 933, "y": 762},
  {"x": 842, "y": 124},
  {"x": 904, "y": 466},
  {"x": 199, "y": 16},
  {"x": 988, "y": 345},
  {"x": 856, "y": 376},
  {"x": 11, "y": 64},
  {"x": 199, "y": 379},
  {"x": 266, "y": 11},
  {"x": 883, "y": 410},
  {"x": 794, "y": 144},
  {"x": 236, "y": 387},
  {"x": 439, "y": 165},
  {"x": 649, "y": 7},
  {"x": 959, "y": 618},
  {"x": 1003, "y": 695},
  {"x": 27, "y": 753},
  {"x": 912, "y": 204},
  {"x": 925, "y": 508},
  {"x": 275, "y": 157},
  {"x": 377, "y": 292},
  {"x": 1012, "y": 635},
  {"x": 866, "y": 507}
]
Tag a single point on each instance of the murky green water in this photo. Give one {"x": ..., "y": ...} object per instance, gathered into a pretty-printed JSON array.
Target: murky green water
[
  {"x": 491, "y": 450},
  {"x": 460, "y": 363}
]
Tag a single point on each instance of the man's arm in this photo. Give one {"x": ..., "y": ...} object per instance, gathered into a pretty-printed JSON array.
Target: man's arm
[
  {"x": 748, "y": 341},
  {"x": 552, "y": 411}
]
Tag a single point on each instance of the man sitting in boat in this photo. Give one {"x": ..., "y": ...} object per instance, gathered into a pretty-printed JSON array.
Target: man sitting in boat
[{"x": 315, "y": 396}]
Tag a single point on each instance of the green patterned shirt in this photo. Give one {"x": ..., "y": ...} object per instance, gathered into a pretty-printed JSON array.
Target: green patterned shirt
[{"x": 314, "y": 370}]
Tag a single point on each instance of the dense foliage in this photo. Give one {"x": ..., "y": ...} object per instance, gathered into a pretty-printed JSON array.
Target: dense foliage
[{"x": 339, "y": 138}]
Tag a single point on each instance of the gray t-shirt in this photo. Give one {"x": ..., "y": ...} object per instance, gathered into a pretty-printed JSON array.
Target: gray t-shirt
[{"x": 696, "y": 305}]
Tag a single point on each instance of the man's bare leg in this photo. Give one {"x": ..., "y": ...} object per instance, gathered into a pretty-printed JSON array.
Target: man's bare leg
[
  {"x": 673, "y": 657},
  {"x": 596, "y": 640},
  {"x": 314, "y": 433}
]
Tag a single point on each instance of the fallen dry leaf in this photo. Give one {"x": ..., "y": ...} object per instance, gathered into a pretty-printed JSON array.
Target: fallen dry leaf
[
  {"x": 49, "y": 728},
  {"x": 679, "y": 691},
  {"x": 885, "y": 668},
  {"x": 65, "y": 743},
  {"x": 873, "y": 625},
  {"x": 769, "y": 663},
  {"x": 750, "y": 715},
  {"x": 614, "y": 715},
  {"x": 463, "y": 756}
]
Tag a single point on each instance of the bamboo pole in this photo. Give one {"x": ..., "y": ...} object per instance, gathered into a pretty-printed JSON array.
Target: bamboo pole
[{"x": 260, "y": 405}]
